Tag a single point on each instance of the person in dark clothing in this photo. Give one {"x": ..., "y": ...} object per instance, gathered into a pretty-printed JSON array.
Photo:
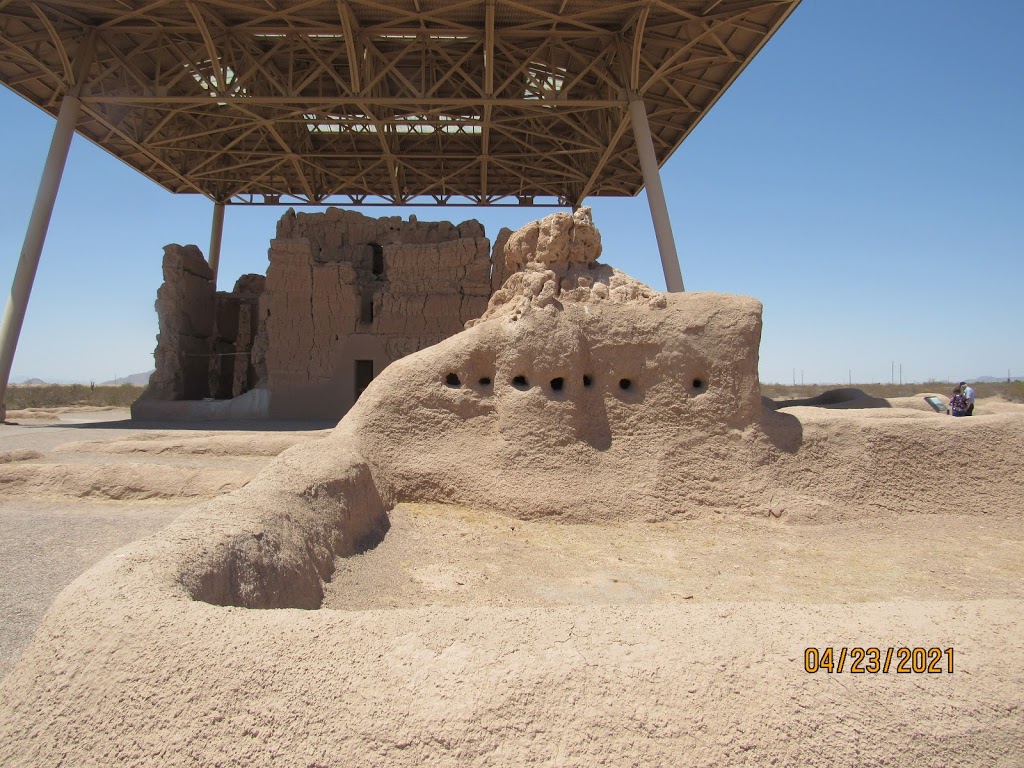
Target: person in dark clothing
[{"x": 958, "y": 403}]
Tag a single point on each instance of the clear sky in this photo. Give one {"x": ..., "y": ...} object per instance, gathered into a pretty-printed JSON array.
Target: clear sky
[{"x": 862, "y": 178}]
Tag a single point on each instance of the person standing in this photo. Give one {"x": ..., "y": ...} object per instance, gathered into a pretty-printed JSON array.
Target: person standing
[
  {"x": 958, "y": 403},
  {"x": 968, "y": 392}
]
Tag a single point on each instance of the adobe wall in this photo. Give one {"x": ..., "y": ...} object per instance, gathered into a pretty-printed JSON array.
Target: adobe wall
[
  {"x": 236, "y": 319},
  {"x": 204, "y": 345},
  {"x": 185, "y": 309},
  {"x": 344, "y": 296},
  {"x": 343, "y": 287}
]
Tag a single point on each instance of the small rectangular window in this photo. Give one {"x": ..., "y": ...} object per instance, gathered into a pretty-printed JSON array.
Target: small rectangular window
[
  {"x": 378, "y": 259},
  {"x": 366, "y": 307}
]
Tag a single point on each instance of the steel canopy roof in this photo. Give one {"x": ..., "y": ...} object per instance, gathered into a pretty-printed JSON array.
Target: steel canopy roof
[{"x": 372, "y": 102}]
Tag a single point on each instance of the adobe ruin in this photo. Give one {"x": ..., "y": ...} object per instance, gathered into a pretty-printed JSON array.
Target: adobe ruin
[{"x": 344, "y": 296}]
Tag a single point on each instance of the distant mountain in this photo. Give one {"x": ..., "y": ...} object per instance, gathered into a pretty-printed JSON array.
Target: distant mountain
[
  {"x": 33, "y": 383},
  {"x": 991, "y": 379},
  {"x": 135, "y": 379}
]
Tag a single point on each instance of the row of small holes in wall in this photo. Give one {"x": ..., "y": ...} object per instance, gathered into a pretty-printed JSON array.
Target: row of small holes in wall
[{"x": 520, "y": 382}]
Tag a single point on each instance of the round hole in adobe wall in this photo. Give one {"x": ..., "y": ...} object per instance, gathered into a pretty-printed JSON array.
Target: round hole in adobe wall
[
  {"x": 699, "y": 385},
  {"x": 519, "y": 382},
  {"x": 452, "y": 380},
  {"x": 587, "y": 381},
  {"x": 557, "y": 384},
  {"x": 625, "y": 384},
  {"x": 485, "y": 381}
]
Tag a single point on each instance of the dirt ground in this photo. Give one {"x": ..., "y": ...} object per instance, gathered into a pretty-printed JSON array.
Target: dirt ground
[
  {"x": 77, "y": 485},
  {"x": 446, "y": 556},
  {"x": 490, "y": 633},
  {"x": 437, "y": 555}
]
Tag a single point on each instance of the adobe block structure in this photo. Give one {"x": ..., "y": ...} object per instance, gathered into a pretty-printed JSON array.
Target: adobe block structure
[
  {"x": 185, "y": 305},
  {"x": 344, "y": 295}
]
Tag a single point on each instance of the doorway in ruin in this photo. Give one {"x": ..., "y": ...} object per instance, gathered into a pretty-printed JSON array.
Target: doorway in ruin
[{"x": 364, "y": 375}]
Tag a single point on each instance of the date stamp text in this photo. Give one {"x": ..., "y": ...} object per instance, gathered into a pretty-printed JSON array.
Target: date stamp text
[{"x": 871, "y": 661}]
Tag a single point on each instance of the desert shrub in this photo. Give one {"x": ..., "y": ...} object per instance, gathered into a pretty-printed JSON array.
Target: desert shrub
[
  {"x": 60, "y": 395},
  {"x": 1008, "y": 390},
  {"x": 1013, "y": 391}
]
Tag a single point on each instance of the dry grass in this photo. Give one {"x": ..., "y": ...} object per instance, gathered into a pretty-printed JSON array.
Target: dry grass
[
  {"x": 61, "y": 395},
  {"x": 1008, "y": 390}
]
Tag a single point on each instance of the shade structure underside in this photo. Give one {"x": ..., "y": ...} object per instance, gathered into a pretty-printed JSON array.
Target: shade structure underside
[{"x": 363, "y": 102}]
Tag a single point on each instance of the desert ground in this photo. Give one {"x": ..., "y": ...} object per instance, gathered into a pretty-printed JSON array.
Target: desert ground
[
  {"x": 749, "y": 593},
  {"x": 78, "y": 483},
  {"x": 79, "y": 487}
]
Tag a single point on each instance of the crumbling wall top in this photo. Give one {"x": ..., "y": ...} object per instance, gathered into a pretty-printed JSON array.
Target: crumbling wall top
[{"x": 337, "y": 226}]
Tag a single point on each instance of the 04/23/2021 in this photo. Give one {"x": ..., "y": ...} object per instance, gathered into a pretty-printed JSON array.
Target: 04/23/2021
[{"x": 872, "y": 660}]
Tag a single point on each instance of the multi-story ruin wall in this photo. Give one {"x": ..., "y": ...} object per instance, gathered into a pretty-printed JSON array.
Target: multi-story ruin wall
[
  {"x": 185, "y": 308},
  {"x": 344, "y": 296},
  {"x": 236, "y": 322}
]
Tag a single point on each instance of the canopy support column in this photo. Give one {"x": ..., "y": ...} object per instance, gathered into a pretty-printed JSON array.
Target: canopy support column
[
  {"x": 216, "y": 234},
  {"x": 655, "y": 193},
  {"x": 17, "y": 302}
]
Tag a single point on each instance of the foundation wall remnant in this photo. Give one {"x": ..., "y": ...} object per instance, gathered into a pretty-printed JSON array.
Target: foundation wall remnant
[
  {"x": 185, "y": 309},
  {"x": 344, "y": 296},
  {"x": 236, "y": 317}
]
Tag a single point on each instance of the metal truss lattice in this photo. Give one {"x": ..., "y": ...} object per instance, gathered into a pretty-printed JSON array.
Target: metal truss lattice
[{"x": 369, "y": 102}]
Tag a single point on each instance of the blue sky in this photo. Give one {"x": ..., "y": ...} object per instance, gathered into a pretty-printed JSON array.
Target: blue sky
[{"x": 862, "y": 178}]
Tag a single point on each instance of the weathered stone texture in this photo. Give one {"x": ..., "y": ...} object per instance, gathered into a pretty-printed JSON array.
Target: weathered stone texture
[
  {"x": 235, "y": 324},
  {"x": 343, "y": 287},
  {"x": 185, "y": 309},
  {"x": 335, "y": 228},
  {"x": 343, "y": 291},
  {"x": 499, "y": 269},
  {"x": 432, "y": 288}
]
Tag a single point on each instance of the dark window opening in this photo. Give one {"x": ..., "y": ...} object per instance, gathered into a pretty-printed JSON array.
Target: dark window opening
[
  {"x": 587, "y": 381},
  {"x": 452, "y": 380},
  {"x": 519, "y": 382},
  {"x": 556, "y": 384},
  {"x": 364, "y": 375},
  {"x": 377, "y": 266},
  {"x": 366, "y": 307},
  {"x": 625, "y": 383}
]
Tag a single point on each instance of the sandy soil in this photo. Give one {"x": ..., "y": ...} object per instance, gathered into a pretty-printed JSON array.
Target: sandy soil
[
  {"x": 439, "y": 556},
  {"x": 44, "y": 546},
  {"x": 77, "y": 484},
  {"x": 499, "y": 635}
]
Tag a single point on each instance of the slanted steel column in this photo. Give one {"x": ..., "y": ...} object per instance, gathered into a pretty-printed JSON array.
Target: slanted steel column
[
  {"x": 216, "y": 233},
  {"x": 655, "y": 193},
  {"x": 17, "y": 302}
]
